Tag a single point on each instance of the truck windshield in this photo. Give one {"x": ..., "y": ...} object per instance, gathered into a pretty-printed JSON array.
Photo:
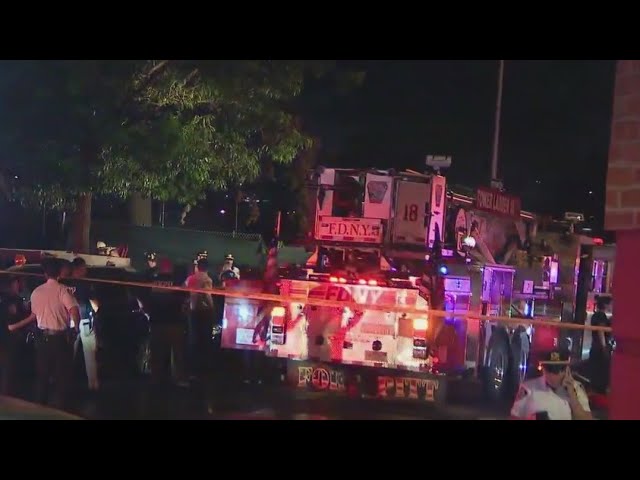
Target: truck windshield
[
  {"x": 360, "y": 261},
  {"x": 348, "y": 195}
]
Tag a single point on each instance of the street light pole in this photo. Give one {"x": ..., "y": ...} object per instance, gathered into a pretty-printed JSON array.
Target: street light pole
[{"x": 496, "y": 132}]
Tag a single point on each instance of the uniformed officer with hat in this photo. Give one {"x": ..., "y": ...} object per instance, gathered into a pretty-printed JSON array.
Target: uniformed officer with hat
[
  {"x": 152, "y": 265},
  {"x": 229, "y": 271},
  {"x": 201, "y": 255},
  {"x": 555, "y": 395}
]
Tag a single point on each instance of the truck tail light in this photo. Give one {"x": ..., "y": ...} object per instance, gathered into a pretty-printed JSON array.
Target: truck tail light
[
  {"x": 278, "y": 326},
  {"x": 421, "y": 324}
]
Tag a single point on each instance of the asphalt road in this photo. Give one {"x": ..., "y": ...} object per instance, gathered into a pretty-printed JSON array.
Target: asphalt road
[
  {"x": 225, "y": 401},
  {"x": 227, "y": 397}
]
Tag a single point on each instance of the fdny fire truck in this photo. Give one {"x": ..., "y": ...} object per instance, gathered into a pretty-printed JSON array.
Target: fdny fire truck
[{"x": 408, "y": 240}]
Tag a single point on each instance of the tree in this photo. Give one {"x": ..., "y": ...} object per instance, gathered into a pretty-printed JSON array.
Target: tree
[{"x": 169, "y": 130}]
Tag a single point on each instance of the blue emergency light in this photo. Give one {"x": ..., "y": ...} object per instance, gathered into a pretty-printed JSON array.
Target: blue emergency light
[{"x": 443, "y": 270}]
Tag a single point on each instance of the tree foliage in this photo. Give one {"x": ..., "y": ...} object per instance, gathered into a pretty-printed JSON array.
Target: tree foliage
[{"x": 170, "y": 130}]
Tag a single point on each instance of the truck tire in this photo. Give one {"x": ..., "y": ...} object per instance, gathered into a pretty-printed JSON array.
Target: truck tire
[
  {"x": 496, "y": 381},
  {"x": 520, "y": 346}
]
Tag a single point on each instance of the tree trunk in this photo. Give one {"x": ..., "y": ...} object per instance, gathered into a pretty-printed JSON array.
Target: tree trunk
[
  {"x": 81, "y": 224},
  {"x": 140, "y": 213}
]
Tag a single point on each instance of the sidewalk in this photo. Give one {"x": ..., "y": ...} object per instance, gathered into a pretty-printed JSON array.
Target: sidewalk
[{"x": 15, "y": 409}]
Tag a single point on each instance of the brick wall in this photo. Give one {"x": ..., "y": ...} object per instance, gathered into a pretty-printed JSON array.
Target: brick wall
[{"x": 623, "y": 179}]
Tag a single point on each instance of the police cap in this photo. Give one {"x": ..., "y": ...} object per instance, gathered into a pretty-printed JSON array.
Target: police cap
[{"x": 555, "y": 361}]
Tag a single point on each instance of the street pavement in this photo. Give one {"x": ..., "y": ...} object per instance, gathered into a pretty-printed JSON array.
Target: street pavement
[
  {"x": 16, "y": 409},
  {"x": 228, "y": 398},
  {"x": 232, "y": 401}
]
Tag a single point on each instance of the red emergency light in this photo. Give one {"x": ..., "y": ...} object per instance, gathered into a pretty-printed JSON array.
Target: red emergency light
[
  {"x": 598, "y": 241},
  {"x": 362, "y": 281}
]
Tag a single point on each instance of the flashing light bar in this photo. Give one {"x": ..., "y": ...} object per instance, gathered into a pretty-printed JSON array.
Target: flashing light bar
[{"x": 362, "y": 281}]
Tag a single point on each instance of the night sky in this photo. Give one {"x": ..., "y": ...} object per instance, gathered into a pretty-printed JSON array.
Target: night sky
[{"x": 554, "y": 132}]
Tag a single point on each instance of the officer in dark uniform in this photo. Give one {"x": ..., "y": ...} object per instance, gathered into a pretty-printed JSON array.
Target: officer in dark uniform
[
  {"x": 13, "y": 343},
  {"x": 152, "y": 265},
  {"x": 600, "y": 352},
  {"x": 167, "y": 315}
]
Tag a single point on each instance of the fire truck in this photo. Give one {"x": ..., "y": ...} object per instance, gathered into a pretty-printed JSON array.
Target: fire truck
[
  {"x": 580, "y": 270},
  {"x": 405, "y": 239}
]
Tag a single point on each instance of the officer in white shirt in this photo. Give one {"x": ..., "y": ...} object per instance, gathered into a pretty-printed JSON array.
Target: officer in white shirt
[
  {"x": 553, "y": 396},
  {"x": 54, "y": 308},
  {"x": 229, "y": 271}
]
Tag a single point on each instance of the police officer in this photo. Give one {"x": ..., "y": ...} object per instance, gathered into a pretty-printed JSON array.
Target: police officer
[
  {"x": 201, "y": 255},
  {"x": 553, "y": 396},
  {"x": 229, "y": 271},
  {"x": 13, "y": 342},
  {"x": 167, "y": 315},
  {"x": 152, "y": 265},
  {"x": 202, "y": 314},
  {"x": 54, "y": 308},
  {"x": 86, "y": 345}
]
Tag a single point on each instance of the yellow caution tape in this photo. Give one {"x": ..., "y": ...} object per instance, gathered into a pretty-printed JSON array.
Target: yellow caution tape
[{"x": 267, "y": 297}]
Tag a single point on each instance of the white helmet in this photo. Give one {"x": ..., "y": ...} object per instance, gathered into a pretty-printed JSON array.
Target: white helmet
[{"x": 101, "y": 245}]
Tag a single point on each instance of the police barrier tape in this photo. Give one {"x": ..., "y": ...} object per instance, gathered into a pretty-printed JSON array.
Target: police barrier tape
[{"x": 279, "y": 299}]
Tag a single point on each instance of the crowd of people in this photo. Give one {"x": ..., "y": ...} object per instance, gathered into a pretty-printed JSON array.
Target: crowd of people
[{"x": 70, "y": 324}]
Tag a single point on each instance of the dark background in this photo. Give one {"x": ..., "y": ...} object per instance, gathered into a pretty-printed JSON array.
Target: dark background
[
  {"x": 554, "y": 140},
  {"x": 555, "y": 127}
]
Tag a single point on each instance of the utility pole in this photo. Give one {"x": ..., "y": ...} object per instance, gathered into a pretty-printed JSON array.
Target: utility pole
[
  {"x": 235, "y": 229},
  {"x": 162, "y": 215},
  {"x": 496, "y": 132}
]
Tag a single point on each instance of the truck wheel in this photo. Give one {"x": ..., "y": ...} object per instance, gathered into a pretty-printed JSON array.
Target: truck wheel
[
  {"x": 520, "y": 347},
  {"x": 496, "y": 382}
]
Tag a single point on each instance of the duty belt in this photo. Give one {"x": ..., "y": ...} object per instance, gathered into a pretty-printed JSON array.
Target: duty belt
[{"x": 47, "y": 332}]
